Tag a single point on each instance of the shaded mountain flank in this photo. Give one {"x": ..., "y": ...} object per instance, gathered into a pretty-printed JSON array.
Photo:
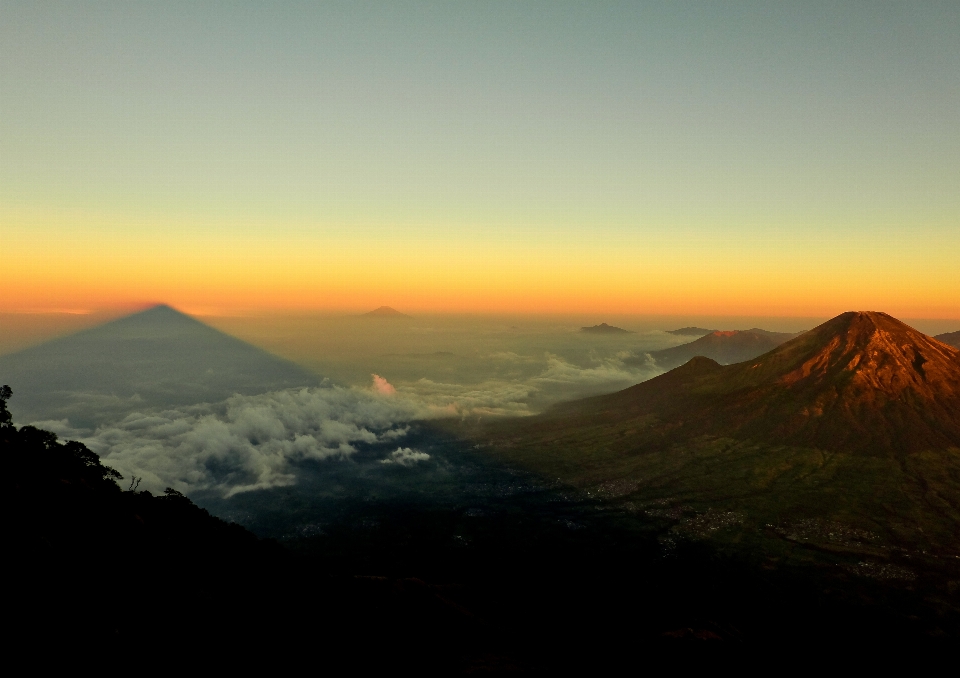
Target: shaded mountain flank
[
  {"x": 384, "y": 312},
  {"x": 604, "y": 328},
  {"x": 726, "y": 347},
  {"x": 950, "y": 338},
  {"x": 156, "y": 358},
  {"x": 855, "y": 423}
]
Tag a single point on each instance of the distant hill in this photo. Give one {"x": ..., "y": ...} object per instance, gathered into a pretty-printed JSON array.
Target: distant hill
[
  {"x": 604, "y": 328},
  {"x": 690, "y": 332},
  {"x": 157, "y": 358},
  {"x": 725, "y": 347},
  {"x": 854, "y": 424},
  {"x": 951, "y": 338},
  {"x": 385, "y": 312}
]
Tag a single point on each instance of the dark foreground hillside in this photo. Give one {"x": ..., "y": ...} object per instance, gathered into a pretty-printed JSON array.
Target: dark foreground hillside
[
  {"x": 95, "y": 568},
  {"x": 542, "y": 580}
]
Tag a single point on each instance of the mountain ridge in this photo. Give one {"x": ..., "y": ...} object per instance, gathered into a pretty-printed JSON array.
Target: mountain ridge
[
  {"x": 852, "y": 428},
  {"x": 949, "y": 338},
  {"x": 690, "y": 331},
  {"x": 724, "y": 346},
  {"x": 862, "y": 381},
  {"x": 604, "y": 328}
]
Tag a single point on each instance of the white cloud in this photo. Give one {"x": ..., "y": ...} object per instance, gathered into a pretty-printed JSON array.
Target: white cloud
[
  {"x": 249, "y": 442},
  {"x": 256, "y": 442},
  {"x": 491, "y": 398},
  {"x": 382, "y": 386},
  {"x": 608, "y": 371},
  {"x": 405, "y": 456}
]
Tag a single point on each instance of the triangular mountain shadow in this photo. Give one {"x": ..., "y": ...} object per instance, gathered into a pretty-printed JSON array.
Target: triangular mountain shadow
[
  {"x": 156, "y": 358},
  {"x": 384, "y": 312}
]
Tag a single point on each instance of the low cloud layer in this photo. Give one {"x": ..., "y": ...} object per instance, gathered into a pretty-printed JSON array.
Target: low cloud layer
[
  {"x": 250, "y": 442},
  {"x": 606, "y": 371},
  {"x": 257, "y": 442},
  {"x": 556, "y": 379}
]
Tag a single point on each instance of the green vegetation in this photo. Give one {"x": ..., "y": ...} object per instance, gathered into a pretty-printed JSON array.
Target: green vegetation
[
  {"x": 439, "y": 587},
  {"x": 837, "y": 449},
  {"x": 910, "y": 503}
]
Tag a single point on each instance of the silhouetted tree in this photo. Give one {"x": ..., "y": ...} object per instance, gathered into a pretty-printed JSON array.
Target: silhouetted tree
[
  {"x": 6, "y": 421},
  {"x": 36, "y": 457},
  {"x": 5, "y": 393}
]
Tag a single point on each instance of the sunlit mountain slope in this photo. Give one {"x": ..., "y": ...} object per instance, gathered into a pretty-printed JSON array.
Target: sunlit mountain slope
[{"x": 856, "y": 422}]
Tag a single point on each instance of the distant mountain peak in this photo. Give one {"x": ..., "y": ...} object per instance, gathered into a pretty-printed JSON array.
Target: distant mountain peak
[
  {"x": 604, "y": 328},
  {"x": 385, "y": 312},
  {"x": 950, "y": 338},
  {"x": 158, "y": 309},
  {"x": 690, "y": 332},
  {"x": 724, "y": 346}
]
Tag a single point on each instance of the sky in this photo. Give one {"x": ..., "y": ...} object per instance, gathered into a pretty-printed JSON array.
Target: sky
[{"x": 722, "y": 158}]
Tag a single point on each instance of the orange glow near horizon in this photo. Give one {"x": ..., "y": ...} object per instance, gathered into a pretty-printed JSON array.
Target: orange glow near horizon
[
  {"x": 213, "y": 270},
  {"x": 226, "y": 293},
  {"x": 624, "y": 169}
]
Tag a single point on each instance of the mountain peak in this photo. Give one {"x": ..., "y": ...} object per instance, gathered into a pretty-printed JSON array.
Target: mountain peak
[
  {"x": 860, "y": 382},
  {"x": 604, "y": 328},
  {"x": 385, "y": 312},
  {"x": 724, "y": 346},
  {"x": 873, "y": 352},
  {"x": 690, "y": 332}
]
